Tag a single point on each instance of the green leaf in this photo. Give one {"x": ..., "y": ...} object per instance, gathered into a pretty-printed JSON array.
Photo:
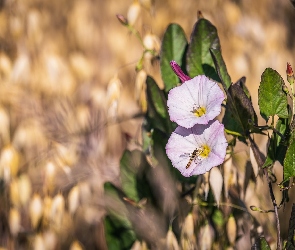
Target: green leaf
[
  {"x": 272, "y": 100},
  {"x": 157, "y": 112},
  {"x": 261, "y": 244},
  {"x": 118, "y": 228},
  {"x": 174, "y": 45},
  {"x": 199, "y": 60},
  {"x": 277, "y": 145},
  {"x": 289, "y": 162},
  {"x": 133, "y": 165},
  {"x": 221, "y": 67},
  {"x": 239, "y": 110},
  {"x": 118, "y": 236}
]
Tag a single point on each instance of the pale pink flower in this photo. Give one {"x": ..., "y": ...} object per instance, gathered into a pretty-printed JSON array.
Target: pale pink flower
[
  {"x": 196, "y": 150},
  {"x": 196, "y": 101}
]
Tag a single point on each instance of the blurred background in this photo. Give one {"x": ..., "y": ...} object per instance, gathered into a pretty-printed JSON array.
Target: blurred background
[{"x": 71, "y": 99}]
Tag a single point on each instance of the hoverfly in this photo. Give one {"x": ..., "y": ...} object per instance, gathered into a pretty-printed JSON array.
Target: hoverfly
[{"x": 193, "y": 156}]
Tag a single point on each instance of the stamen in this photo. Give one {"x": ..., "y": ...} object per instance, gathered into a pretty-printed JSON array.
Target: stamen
[{"x": 199, "y": 111}]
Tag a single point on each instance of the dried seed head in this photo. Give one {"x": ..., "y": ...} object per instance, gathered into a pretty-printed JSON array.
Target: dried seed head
[
  {"x": 5, "y": 66},
  {"x": 50, "y": 240},
  {"x": 133, "y": 13},
  {"x": 14, "y": 193},
  {"x": 144, "y": 246},
  {"x": 47, "y": 204},
  {"x": 227, "y": 172},
  {"x": 38, "y": 242},
  {"x": 81, "y": 66},
  {"x": 206, "y": 184},
  {"x": 152, "y": 42},
  {"x": 82, "y": 116},
  {"x": 50, "y": 170},
  {"x": 9, "y": 162},
  {"x": 21, "y": 71},
  {"x": 57, "y": 210},
  {"x": 76, "y": 245},
  {"x": 14, "y": 221},
  {"x": 171, "y": 241},
  {"x": 136, "y": 245},
  {"x": 73, "y": 199},
  {"x": 113, "y": 96},
  {"x": 85, "y": 192},
  {"x": 254, "y": 162},
  {"x": 34, "y": 21},
  {"x": 216, "y": 182},
  {"x": 140, "y": 89},
  {"x": 29, "y": 134},
  {"x": 147, "y": 4},
  {"x": 206, "y": 237},
  {"x": 25, "y": 189},
  {"x": 36, "y": 210},
  {"x": 66, "y": 155},
  {"x": 187, "y": 232},
  {"x": 4, "y": 125},
  {"x": 231, "y": 229}
]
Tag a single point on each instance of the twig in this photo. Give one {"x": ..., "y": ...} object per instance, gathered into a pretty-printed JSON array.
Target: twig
[{"x": 260, "y": 162}]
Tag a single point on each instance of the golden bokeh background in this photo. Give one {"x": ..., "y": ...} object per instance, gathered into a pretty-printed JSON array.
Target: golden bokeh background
[{"x": 68, "y": 97}]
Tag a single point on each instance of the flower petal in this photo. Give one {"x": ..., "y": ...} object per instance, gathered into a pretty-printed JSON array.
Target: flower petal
[
  {"x": 183, "y": 142},
  {"x": 192, "y": 94}
]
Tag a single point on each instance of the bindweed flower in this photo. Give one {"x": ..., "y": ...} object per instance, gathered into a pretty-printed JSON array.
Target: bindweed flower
[
  {"x": 196, "y": 150},
  {"x": 196, "y": 101}
]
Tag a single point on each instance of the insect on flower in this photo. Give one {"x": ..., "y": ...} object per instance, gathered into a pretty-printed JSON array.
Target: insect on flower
[
  {"x": 196, "y": 155},
  {"x": 196, "y": 150}
]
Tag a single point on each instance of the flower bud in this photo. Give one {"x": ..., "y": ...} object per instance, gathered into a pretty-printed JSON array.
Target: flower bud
[
  {"x": 123, "y": 20},
  {"x": 290, "y": 74}
]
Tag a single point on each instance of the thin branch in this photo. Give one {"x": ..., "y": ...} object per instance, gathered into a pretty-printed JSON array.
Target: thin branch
[{"x": 260, "y": 161}]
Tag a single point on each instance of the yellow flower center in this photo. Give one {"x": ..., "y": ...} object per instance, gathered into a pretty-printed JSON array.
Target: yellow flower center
[
  {"x": 199, "y": 111},
  {"x": 205, "y": 151},
  {"x": 202, "y": 152}
]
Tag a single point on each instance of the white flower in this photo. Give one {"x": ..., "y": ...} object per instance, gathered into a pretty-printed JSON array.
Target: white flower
[
  {"x": 196, "y": 150},
  {"x": 196, "y": 101}
]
